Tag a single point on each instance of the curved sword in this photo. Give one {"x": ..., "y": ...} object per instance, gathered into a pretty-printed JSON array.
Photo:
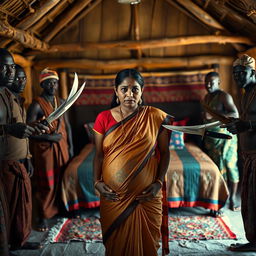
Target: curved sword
[
  {"x": 200, "y": 130},
  {"x": 72, "y": 97},
  {"x": 72, "y": 92}
]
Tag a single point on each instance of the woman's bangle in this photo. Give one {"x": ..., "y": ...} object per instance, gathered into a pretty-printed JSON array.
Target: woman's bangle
[
  {"x": 96, "y": 182},
  {"x": 159, "y": 181}
]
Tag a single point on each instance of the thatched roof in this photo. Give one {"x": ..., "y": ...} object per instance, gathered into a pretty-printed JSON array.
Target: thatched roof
[{"x": 106, "y": 35}]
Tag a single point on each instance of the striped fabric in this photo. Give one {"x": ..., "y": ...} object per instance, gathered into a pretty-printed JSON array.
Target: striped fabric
[{"x": 194, "y": 180}]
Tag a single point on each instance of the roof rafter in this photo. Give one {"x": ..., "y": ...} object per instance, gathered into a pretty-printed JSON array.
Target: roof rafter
[
  {"x": 147, "y": 63},
  {"x": 150, "y": 44},
  {"x": 82, "y": 14},
  {"x": 200, "y": 14},
  {"x": 78, "y": 7},
  {"x": 23, "y": 37}
]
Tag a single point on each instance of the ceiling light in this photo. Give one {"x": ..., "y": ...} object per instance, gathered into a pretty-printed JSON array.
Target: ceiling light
[{"x": 128, "y": 1}]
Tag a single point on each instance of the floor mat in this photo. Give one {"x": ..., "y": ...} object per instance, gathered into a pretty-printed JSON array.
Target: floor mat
[{"x": 180, "y": 228}]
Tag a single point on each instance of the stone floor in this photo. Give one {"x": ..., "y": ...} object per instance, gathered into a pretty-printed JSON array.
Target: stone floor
[{"x": 177, "y": 248}]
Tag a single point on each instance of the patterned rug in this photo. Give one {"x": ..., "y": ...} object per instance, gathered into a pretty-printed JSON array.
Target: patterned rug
[{"x": 180, "y": 228}]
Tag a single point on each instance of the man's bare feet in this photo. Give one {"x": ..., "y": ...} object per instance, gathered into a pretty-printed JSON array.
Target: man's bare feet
[
  {"x": 216, "y": 214},
  {"x": 249, "y": 247},
  {"x": 234, "y": 206}
]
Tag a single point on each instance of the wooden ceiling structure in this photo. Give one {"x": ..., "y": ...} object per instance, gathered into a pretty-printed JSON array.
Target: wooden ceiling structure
[{"x": 104, "y": 36}]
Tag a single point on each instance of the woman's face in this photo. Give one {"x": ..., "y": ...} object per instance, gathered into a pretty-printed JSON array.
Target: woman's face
[{"x": 129, "y": 92}]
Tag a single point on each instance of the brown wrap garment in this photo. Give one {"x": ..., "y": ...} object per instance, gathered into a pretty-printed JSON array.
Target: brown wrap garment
[
  {"x": 130, "y": 165},
  {"x": 49, "y": 163}
]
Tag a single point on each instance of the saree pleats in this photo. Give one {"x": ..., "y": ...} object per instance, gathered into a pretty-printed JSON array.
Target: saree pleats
[{"x": 129, "y": 167}]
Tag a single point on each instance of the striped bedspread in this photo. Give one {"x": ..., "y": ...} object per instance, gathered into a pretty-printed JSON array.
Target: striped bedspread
[
  {"x": 77, "y": 184},
  {"x": 194, "y": 180}
]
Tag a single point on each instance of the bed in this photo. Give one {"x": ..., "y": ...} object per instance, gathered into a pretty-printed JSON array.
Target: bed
[{"x": 192, "y": 180}]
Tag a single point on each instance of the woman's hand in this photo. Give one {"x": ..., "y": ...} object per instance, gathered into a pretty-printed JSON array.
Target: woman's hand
[
  {"x": 106, "y": 192},
  {"x": 149, "y": 193}
]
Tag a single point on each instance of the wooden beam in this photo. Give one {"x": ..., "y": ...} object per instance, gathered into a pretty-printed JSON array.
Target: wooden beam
[
  {"x": 150, "y": 44},
  {"x": 146, "y": 63},
  {"x": 251, "y": 52},
  {"x": 28, "y": 92},
  {"x": 30, "y": 20},
  {"x": 63, "y": 84},
  {"x": 23, "y": 37},
  {"x": 208, "y": 26},
  {"x": 67, "y": 18},
  {"x": 200, "y": 14},
  {"x": 74, "y": 21},
  {"x": 50, "y": 16},
  {"x": 187, "y": 13},
  {"x": 20, "y": 60},
  {"x": 238, "y": 22},
  {"x": 135, "y": 28}
]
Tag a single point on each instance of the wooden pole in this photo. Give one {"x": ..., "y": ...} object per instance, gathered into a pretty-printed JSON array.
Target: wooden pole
[
  {"x": 74, "y": 21},
  {"x": 136, "y": 28},
  {"x": 66, "y": 18},
  {"x": 28, "y": 94},
  {"x": 18, "y": 59},
  {"x": 146, "y": 63},
  {"x": 200, "y": 14},
  {"x": 150, "y": 44},
  {"x": 23, "y": 37},
  {"x": 63, "y": 84},
  {"x": 33, "y": 18}
]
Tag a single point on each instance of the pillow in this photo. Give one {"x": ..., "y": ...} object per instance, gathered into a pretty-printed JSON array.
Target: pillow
[
  {"x": 177, "y": 141},
  {"x": 90, "y": 132},
  {"x": 182, "y": 122}
]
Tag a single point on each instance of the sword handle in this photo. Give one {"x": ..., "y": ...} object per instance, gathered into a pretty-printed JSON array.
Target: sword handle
[{"x": 46, "y": 123}]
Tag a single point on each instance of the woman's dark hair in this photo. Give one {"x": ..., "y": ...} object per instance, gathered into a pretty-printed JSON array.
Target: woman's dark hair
[{"x": 121, "y": 75}]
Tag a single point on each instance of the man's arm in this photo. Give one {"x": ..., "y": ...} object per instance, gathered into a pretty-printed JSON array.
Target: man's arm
[
  {"x": 34, "y": 114},
  {"x": 18, "y": 130},
  {"x": 230, "y": 109}
]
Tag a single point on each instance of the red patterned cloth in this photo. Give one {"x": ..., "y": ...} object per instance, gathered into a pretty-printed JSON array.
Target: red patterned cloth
[{"x": 165, "y": 88}]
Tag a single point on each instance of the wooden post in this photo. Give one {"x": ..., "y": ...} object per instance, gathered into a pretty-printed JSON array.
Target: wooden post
[
  {"x": 63, "y": 84},
  {"x": 28, "y": 94}
]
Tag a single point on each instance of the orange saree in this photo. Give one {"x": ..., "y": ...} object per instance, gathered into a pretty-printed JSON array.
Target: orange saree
[{"x": 130, "y": 165}]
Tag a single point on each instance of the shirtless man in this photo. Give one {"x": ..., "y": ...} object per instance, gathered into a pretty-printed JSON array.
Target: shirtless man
[
  {"x": 51, "y": 151},
  {"x": 222, "y": 152},
  {"x": 244, "y": 76}
]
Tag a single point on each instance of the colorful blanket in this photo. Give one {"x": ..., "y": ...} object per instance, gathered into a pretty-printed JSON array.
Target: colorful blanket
[
  {"x": 77, "y": 184},
  {"x": 194, "y": 180},
  {"x": 180, "y": 228}
]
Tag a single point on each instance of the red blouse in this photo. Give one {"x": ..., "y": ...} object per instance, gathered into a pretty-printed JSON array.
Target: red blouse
[{"x": 104, "y": 121}]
